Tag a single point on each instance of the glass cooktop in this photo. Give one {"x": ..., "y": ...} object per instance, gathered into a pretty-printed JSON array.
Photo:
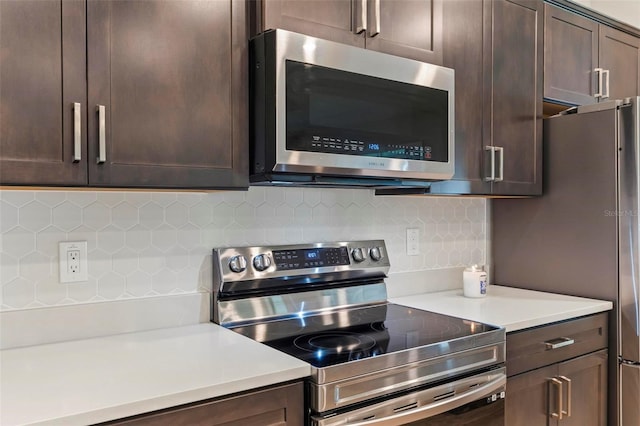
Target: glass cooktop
[{"x": 351, "y": 334}]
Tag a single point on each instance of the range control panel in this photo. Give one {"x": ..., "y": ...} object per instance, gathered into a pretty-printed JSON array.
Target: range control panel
[
  {"x": 310, "y": 258},
  {"x": 245, "y": 263}
]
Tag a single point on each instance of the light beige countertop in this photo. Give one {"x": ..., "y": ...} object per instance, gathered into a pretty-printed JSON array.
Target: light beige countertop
[
  {"x": 105, "y": 378},
  {"x": 95, "y": 380},
  {"x": 512, "y": 308}
]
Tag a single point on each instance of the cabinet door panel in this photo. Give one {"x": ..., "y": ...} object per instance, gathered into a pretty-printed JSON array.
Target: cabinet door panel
[
  {"x": 409, "y": 28},
  {"x": 274, "y": 406},
  {"x": 620, "y": 54},
  {"x": 42, "y": 73},
  {"x": 570, "y": 56},
  {"x": 588, "y": 375},
  {"x": 527, "y": 401},
  {"x": 463, "y": 51},
  {"x": 163, "y": 71},
  {"x": 327, "y": 19},
  {"x": 516, "y": 96}
]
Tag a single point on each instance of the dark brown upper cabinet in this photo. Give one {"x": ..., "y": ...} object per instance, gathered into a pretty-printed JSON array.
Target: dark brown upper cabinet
[
  {"x": 586, "y": 62},
  {"x": 43, "y": 93},
  {"x": 570, "y": 56},
  {"x": 161, "y": 87},
  {"x": 620, "y": 56},
  {"x": 495, "y": 46},
  {"x": 408, "y": 28},
  {"x": 514, "y": 97}
]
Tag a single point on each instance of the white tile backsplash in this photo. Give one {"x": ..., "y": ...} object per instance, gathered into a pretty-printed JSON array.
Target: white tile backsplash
[{"x": 144, "y": 244}]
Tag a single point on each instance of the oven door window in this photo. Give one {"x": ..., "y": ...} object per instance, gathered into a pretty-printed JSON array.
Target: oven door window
[{"x": 339, "y": 112}]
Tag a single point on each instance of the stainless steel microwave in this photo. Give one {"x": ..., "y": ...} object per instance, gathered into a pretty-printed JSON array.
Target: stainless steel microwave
[{"x": 332, "y": 114}]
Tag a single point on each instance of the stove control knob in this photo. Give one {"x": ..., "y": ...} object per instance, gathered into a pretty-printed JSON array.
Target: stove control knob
[
  {"x": 358, "y": 254},
  {"x": 375, "y": 253},
  {"x": 262, "y": 262},
  {"x": 238, "y": 263}
]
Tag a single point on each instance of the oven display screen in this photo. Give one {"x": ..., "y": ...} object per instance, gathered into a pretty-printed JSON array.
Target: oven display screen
[
  {"x": 312, "y": 254},
  {"x": 310, "y": 258}
]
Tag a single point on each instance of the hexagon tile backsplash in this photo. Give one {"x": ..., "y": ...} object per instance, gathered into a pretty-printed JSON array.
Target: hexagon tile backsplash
[{"x": 145, "y": 244}]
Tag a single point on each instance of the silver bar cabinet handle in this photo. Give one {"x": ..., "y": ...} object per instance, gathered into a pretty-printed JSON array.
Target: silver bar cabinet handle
[
  {"x": 598, "y": 94},
  {"x": 558, "y": 343},
  {"x": 375, "y": 30},
  {"x": 77, "y": 132},
  {"x": 500, "y": 177},
  {"x": 102, "y": 134},
  {"x": 359, "y": 12},
  {"x": 606, "y": 74},
  {"x": 492, "y": 150},
  {"x": 567, "y": 380},
  {"x": 558, "y": 384}
]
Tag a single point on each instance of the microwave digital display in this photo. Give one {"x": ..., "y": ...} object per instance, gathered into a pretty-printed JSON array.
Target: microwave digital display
[{"x": 339, "y": 112}]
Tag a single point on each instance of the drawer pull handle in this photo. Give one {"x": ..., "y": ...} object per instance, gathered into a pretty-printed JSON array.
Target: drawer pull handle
[
  {"x": 567, "y": 380},
  {"x": 559, "y": 343},
  {"x": 558, "y": 385}
]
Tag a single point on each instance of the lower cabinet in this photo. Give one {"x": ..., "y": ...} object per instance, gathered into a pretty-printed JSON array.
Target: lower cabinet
[
  {"x": 576, "y": 389},
  {"x": 274, "y": 406},
  {"x": 569, "y": 390}
]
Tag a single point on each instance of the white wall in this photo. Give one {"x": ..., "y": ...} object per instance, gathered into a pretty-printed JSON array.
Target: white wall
[
  {"x": 144, "y": 244},
  {"x": 627, "y": 11}
]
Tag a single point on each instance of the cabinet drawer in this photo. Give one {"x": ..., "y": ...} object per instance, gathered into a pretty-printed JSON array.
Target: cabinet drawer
[{"x": 537, "y": 347}]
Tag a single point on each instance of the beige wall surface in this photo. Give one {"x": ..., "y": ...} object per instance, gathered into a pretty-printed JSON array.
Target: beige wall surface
[{"x": 150, "y": 244}]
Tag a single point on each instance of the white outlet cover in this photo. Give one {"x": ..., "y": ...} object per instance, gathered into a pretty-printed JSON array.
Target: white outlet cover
[
  {"x": 65, "y": 275},
  {"x": 413, "y": 241}
]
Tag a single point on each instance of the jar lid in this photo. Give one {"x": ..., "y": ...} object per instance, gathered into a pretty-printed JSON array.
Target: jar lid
[{"x": 475, "y": 268}]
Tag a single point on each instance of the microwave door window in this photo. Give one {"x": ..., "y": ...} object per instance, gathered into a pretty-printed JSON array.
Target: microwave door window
[{"x": 346, "y": 113}]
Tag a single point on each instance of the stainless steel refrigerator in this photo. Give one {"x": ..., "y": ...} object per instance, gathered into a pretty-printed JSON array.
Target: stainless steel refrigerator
[{"x": 582, "y": 237}]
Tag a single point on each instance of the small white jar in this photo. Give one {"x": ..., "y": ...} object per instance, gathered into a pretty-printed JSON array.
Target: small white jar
[{"x": 474, "y": 280}]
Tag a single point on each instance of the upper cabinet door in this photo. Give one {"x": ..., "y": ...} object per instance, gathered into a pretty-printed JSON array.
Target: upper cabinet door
[
  {"x": 570, "y": 56},
  {"x": 167, "y": 93},
  {"x": 515, "y": 101},
  {"x": 407, "y": 28},
  {"x": 620, "y": 55},
  {"x": 42, "y": 92},
  {"x": 326, "y": 19},
  {"x": 463, "y": 51}
]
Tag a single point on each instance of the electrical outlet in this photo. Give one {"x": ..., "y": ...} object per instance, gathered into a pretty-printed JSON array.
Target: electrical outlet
[
  {"x": 413, "y": 241},
  {"x": 73, "y": 261}
]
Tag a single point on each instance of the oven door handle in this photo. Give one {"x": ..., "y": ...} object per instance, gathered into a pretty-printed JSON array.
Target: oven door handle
[{"x": 403, "y": 413}]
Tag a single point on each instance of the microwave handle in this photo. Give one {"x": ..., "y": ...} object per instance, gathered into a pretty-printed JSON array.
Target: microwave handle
[{"x": 359, "y": 14}]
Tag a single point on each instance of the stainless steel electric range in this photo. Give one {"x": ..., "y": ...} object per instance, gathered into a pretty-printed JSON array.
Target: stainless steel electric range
[{"x": 372, "y": 362}]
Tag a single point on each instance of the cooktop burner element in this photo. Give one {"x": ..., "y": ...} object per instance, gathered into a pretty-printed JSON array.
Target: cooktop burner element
[
  {"x": 326, "y": 304},
  {"x": 330, "y": 338}
]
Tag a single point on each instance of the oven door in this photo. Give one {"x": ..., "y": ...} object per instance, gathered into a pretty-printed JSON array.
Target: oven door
[{"x": 473, "y": 401}]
